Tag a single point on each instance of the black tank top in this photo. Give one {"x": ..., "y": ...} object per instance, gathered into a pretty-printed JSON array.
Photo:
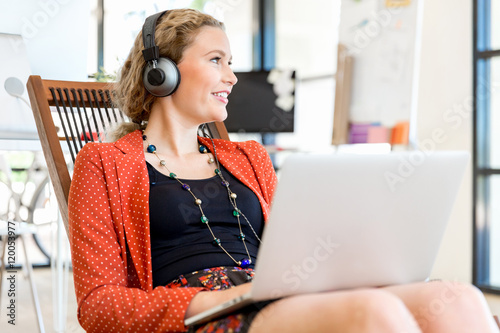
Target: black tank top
[{"x": 180, "y": 242}]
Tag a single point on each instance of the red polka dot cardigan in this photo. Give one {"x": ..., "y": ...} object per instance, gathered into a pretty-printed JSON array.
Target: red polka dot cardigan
[{"x": 109, "y": 233}]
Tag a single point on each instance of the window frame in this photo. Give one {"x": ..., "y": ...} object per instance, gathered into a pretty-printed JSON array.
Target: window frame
[{"x": 482, "y": 172}]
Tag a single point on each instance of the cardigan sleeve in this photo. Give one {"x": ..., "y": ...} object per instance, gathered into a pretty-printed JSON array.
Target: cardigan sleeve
[{"x": 106, "y": 302}]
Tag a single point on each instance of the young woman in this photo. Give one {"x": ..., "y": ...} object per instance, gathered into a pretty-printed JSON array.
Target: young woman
[{"x": 165, "y": 223}]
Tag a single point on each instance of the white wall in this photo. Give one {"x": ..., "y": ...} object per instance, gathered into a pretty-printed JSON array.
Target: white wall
[{"x": 445, "y": 97}]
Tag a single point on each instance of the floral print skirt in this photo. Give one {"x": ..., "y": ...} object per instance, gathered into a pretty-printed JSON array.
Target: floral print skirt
[{"x": 220, "y": 278}]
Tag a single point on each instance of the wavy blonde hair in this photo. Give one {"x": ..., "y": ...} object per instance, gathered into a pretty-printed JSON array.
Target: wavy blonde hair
[{"x": 174, "y": 32}]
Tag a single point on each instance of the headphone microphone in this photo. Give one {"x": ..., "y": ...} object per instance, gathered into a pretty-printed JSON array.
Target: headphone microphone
[{"x": 161, "y": 76}]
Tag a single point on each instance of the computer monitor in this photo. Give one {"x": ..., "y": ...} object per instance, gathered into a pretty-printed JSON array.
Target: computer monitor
[{"x": 262, "y": 102}]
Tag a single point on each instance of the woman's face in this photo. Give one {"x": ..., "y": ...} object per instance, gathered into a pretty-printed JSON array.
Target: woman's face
[{"x": 206, "y": 77}]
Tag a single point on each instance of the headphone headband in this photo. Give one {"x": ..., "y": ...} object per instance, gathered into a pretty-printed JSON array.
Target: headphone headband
[{"x": 151, "y": 50}]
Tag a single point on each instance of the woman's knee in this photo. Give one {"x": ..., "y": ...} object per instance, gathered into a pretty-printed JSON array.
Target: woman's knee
[
  {"x": 366, "y": 310},
  {"x": 375, "y": 308},
  {"x": 448, "y": 294},
  {"x": 441, "y": 300}
]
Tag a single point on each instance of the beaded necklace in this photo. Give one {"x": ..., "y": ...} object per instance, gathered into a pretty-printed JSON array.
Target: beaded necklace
[{"x": 197, "y": 201}]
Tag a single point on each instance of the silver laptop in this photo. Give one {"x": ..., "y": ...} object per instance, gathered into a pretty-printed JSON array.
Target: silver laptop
[{"x": 342, "y": 221}]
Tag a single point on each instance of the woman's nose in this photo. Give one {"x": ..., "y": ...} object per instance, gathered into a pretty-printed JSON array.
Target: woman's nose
[{"x": 230, "y": 77}]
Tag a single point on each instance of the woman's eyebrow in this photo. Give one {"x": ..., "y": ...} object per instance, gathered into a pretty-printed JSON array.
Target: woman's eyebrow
[{"x": 221, "y": 52}]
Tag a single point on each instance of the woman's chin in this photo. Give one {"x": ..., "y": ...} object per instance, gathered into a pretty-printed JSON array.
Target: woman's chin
[{"x": 220, "y": 116}]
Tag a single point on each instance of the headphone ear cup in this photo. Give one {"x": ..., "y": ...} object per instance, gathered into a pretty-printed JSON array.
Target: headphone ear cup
[{"x": 164, "y": 79}]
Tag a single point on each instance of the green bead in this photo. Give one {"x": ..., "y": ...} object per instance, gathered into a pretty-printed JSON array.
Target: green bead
[
  {"x": 172, "y": 175},
  {"x": 236, "y": 213},
  {"x": 204, "y": 219},
  {"x": 217, "y": 171}
]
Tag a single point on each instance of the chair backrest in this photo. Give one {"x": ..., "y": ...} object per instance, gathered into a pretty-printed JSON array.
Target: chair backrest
[{"x": 68, "y": 115}]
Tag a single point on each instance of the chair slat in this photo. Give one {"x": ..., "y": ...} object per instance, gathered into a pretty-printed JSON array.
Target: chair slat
[
  {"x": 82, "y": 115},
  {"x": 74, "y": 123},
  {"x": 62, "y": 118}
]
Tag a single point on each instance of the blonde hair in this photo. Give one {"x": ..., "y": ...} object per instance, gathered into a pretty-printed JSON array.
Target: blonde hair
[{"x": 174, "y": 32}]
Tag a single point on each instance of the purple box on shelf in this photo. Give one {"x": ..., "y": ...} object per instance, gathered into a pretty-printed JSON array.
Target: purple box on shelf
[{"x": 358, "y": 133}]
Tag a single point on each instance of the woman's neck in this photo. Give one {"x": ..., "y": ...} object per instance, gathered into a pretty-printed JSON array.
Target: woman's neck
[
  {"x": 171, "y": 136},
  {"x": 177, "y": 146}
]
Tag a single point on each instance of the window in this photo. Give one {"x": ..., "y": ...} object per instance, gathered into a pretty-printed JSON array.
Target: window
[{"x": 487, "y": 145}]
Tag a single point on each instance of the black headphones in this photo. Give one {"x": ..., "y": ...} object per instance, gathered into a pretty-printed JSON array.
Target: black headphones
[{"x": 161, "y": 76}]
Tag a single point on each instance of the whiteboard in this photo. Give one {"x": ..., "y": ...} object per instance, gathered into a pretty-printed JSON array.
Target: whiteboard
[{"x": 384, "y": 42}]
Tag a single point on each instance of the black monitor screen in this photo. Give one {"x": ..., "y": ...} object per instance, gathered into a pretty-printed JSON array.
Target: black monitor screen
[{"x": 262, "y": 102}]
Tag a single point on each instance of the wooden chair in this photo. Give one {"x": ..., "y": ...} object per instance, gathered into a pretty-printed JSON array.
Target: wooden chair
[{"x": 70, "y": 114}]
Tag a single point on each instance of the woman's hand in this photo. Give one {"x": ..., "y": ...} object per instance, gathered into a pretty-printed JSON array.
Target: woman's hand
[{"x": 205, "y": 300}]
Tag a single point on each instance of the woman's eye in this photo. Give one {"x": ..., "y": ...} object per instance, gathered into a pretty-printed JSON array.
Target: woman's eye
[{"x": 215, "y": 60}]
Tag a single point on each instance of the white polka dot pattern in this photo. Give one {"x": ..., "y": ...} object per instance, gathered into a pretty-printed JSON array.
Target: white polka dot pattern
[{"x": 109, "y": 233}]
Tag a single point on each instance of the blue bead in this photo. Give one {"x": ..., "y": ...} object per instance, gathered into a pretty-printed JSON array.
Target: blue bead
[
  {"x": 203, "y": 149},
  {"x": 241, "y": 236},
  {"x": 144, "y": 137},
  {"x": 245, "y": 263},
  {"x": 186, "y": 187},
  {"x": 151, "y": 149}
]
